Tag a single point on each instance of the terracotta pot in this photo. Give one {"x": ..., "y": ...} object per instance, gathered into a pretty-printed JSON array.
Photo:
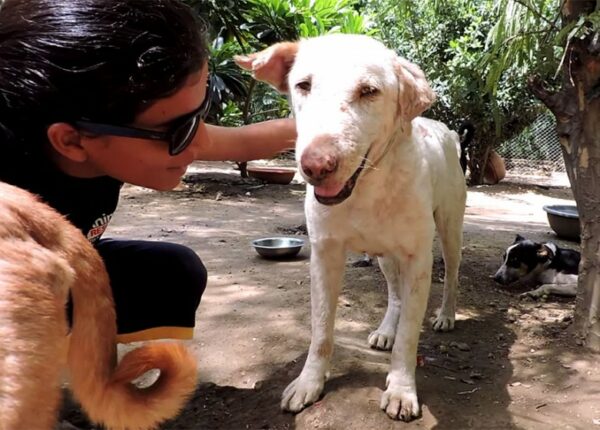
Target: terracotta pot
[
  {"x": 495, "y": 170},
  {"x": 272, "y": 175}
]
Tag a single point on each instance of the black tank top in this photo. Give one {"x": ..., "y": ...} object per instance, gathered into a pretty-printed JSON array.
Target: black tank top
[{"x": 88, "y": 203}]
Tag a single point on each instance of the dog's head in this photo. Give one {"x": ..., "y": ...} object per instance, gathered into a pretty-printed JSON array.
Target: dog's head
[
  {"x": 524, "y": 259},
  {"x": 349, "y": 94}
]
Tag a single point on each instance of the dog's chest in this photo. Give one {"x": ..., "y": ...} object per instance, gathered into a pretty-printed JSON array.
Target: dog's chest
[
  {"x": 367, "y": 227},
  {"x": 551, "y": 276}
]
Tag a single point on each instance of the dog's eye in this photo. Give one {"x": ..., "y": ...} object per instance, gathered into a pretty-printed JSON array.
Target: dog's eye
[
  {"x": 303, "y": 86},
  {"x": 368, "y": 91}
]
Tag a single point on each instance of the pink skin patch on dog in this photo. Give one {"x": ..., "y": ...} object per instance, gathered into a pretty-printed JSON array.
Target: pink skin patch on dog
[{"x": 424, "y": 132}]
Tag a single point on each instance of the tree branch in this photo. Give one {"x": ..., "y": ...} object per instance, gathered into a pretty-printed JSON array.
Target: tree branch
[
  {"x": 550, "y": 99},
  {"x": 555, "y": 20},
  {"x": 528, "y": 33},
  {"x": 534, "y": 11}
]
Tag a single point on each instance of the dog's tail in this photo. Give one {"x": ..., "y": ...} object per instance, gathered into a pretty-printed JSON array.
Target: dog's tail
[
  {"x": 104, "y": 387},
  {"x": 466, "y": 131}
]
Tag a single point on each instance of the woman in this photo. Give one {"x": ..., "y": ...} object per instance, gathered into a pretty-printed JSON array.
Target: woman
[{"x": 97, "y": 93}]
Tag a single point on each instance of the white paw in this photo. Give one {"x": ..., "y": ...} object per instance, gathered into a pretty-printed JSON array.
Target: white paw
[
  {"x": 380, "y": 340},
  {"x": 535, "y": 294},
  {"x": 400, "y": 403},
  {"x": 443, "y": 322},
  {"x": 301, "y": 392}
]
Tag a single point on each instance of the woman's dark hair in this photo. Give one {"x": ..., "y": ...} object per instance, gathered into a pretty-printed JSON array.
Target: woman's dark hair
[{"x": 102, "y": 60}]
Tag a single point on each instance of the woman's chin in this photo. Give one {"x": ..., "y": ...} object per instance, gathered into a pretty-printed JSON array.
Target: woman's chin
[{"x": 162, "y": 185}]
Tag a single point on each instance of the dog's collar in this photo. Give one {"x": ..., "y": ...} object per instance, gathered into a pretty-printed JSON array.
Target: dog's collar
[{"x": 552, "y": 247}]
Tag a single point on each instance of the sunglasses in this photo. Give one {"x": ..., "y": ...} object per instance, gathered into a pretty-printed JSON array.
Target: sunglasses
[{"x": 179, "y": 135}]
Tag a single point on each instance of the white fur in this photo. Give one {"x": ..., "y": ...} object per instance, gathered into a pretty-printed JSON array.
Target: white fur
[
  {"x": 553, "y": 282},
  {"x": 418, "y": 176},
  {"x": 413, "y": 182}
]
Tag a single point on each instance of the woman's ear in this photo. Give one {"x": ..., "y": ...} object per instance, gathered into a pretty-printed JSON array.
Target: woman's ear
[{"x": 66, "y": 141}]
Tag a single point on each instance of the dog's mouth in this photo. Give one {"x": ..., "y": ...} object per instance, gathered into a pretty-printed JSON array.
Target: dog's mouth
[{"x": 334, "y": 195}]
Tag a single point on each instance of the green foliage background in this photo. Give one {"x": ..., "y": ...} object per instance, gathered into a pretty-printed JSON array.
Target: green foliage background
[
  {"x": 244, "y": 26},
  {"x": 477, "y": 54}
]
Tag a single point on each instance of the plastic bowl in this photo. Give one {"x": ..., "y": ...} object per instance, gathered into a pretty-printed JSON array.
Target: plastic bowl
[
  {"x": 564, "y": 220},
  {"x": 272, "y": 175},
  {"x": 278, "y": 247}
]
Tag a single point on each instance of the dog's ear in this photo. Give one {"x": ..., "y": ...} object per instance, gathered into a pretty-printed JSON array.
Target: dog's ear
[
  {"x": 519, "y": 238},
  {"x": 415, "y": 95},
  {"x": 271, "y": 65}
]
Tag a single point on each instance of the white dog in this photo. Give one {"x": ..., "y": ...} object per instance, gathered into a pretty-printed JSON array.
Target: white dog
[{"x": 380, "y": 181}]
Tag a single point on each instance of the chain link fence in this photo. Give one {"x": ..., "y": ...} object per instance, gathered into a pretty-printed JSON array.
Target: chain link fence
[{"x": 536, "y": 151}]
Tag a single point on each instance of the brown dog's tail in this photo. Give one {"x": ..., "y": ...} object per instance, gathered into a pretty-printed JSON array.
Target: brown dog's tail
[{"x": 104, "y": 387}]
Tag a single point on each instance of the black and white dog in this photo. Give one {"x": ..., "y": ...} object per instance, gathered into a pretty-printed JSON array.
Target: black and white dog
[{"x": 545, "y": 264}]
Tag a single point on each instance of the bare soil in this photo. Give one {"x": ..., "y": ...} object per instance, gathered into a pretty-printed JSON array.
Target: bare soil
[{"x": 509, "y": 363}]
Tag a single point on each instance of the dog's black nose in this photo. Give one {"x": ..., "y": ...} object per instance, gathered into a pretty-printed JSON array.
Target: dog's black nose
[{"x": 498, "y": 278}]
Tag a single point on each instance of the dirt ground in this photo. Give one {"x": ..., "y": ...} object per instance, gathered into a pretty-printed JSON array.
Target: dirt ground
[{"x": 509, "y": 363}]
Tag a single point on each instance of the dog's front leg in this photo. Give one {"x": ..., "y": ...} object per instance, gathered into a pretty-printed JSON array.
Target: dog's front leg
[
  {"x": 383, "y": 337},
  {"x": 566, "y": 290},
  {"x": 400, "y": 398},
  {"x": 326, "y": 271}
]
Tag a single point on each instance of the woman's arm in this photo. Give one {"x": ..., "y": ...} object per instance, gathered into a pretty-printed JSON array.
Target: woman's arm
[{"x": 249, "y": 142}]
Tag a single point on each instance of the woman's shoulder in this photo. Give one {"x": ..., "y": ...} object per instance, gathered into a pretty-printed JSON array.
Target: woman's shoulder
[
  {"x": 57, "y": 188},
  {"x": 27, "y": 171}
]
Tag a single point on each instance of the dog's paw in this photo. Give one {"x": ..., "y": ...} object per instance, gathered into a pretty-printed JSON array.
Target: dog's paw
[
  {"x": 535, "y": 294},
  {"x": 301, "y": 392},
  {"x": 400, "y": 403},
  {"x": 380, "y": 340},
  {"x": 443, "y": 322},
  {"x": 363, "y": 262}
]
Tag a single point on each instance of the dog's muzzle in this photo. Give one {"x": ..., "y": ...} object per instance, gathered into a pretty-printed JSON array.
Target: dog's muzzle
[
  {"x": 346, "y": 191},
  {"x": 507, "y": 275}
]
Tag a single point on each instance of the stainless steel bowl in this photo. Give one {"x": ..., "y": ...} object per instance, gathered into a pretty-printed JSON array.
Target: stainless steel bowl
[{"x": 278, "y": 247}]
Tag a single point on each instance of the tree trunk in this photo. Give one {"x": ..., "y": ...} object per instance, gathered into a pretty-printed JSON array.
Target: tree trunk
[
  {"x": 577, "y": 110},
  {"x": 478, "y": 159}
]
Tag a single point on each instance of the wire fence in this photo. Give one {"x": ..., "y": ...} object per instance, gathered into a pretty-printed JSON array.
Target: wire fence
[
  {"x": 535, "y": 156},
  {"x": 536, "y": 151}
]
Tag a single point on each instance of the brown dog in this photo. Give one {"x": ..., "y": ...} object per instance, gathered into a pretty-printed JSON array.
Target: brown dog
[{"x": 42, "y": 258}]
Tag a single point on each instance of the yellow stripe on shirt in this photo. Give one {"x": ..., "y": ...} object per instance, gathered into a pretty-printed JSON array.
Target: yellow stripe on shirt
[{"x": 155, "y": 333}]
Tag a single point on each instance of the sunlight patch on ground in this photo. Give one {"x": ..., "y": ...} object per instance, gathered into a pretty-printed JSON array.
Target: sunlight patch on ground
[
  {"x": 464, "y": 315},
  {"x": 520, "y": 207}
]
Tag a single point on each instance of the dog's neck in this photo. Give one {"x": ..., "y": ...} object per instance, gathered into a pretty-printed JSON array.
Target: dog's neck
[
  {"x": 386, "y": 147},
  {"x": 400, "y": 133}
]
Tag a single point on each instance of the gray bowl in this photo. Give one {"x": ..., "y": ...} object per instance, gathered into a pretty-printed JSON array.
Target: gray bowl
[
  {"x": 278, "y": 247},
  {"x": 564, "y": 220}
]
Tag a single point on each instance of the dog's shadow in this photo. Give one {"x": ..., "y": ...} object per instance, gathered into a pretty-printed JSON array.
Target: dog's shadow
[
  {"x": 458, "y": 387},
  {"x": 351, "y": 400}
]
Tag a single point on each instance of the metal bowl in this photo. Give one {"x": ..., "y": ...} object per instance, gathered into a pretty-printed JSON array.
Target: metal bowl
[
  {"x": 564, "y": 220},
  {"x": 278, "y": 247}
]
